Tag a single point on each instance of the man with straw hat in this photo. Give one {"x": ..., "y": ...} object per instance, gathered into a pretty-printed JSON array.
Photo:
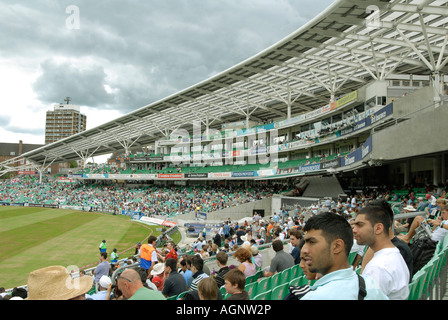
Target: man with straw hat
[{"x": 56, "y": 283}]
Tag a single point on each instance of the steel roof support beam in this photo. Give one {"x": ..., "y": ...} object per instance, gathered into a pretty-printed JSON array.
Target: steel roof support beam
[{"x": 84, "y": 155}]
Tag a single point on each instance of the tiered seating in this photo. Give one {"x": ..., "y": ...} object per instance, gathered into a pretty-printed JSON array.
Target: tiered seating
[{"x": 276, "y": 286}]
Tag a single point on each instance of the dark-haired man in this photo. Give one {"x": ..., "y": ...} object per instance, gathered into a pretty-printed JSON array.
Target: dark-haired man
[
  {"x": 387, "y": 266},
  {"x": 328, "y": 240}
]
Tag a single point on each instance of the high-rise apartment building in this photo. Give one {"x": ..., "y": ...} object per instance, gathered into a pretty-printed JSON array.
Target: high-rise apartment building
[{"x": 64, "y": 121}]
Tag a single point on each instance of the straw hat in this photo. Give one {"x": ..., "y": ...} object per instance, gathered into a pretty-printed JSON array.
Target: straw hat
[
  {"x": 409, "y": 208},
  {"x": 56, "y": 283}
]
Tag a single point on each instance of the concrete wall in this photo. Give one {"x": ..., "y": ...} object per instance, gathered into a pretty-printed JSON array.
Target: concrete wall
[
  {"x": 235, "y": 213},
  {"x": 413, "y": 101},
  {"x": 423, "y": 132}
]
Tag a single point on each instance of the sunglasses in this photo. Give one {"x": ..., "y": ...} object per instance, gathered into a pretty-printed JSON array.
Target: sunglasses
[{"x": 124, "y": 278}]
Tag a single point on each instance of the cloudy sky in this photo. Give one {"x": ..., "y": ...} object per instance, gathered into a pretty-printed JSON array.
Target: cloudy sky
[{"x": 114, "y": 56}]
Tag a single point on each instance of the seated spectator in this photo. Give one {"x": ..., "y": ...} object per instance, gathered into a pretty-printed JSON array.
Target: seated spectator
[
  {"x": 130, "y": 284},
  {"x": 281, "y": 261},
  {"x": 175, "y": 282},
  {"x": 157, "y": 275},
  {"x": 56, "y": 283},
  {"x": 103, "y": 285},
  {"x": 19, "y": 294},
  {"x": 439, "y": 227},
  {"x": 197, "y": 265},
  {"x": 185, "y": 269},
  {"x": 246, "y": 266},
  {"x": 257, "y": 256},
  {"x": 235, "y": 283},
  {"x": 208, "y": 289},
  {"x": 221, "y": 261}
]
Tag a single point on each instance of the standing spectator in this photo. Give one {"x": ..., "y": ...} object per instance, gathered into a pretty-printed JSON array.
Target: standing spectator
[
  {"x": 387, "y": 266},
  {"x": 328, "y": 239},
  {"x": 221, "y": 261},
  {"x": 295, "y": 236},
  {"x": 148, "y": 253},
  {"x": 239, "y": 233},
  {"x": 102, "y": 269},
  {"x": 130, "y": 284},
  {"x": 217, "y": 238},
  {"x": 138, "y": 246},
  {"x": 103, "y": 246},
  {"x": 204, "y": 233},
  {"x": 281, "y": 261},
  {"x": 226, "y": 230},
  {"x": 270, "y": 231},
  {"x": 172, "y": 253},
  {"x": 113, "y": 258},
  {"x": 175, "y": 282}
]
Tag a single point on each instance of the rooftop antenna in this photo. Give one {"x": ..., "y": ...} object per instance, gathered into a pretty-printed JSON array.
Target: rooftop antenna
[{"x": 67, "y": 100}]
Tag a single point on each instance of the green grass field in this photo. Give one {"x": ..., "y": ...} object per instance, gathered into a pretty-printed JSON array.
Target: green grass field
[{"x": 32, "y": 238}]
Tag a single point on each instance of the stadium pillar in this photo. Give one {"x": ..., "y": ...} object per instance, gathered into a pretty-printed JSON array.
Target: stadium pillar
[
  {"x": 407, "y": 172},
  {"x": 436, "y": 164}
]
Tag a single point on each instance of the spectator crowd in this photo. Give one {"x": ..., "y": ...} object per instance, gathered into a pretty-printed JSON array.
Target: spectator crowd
[{"x": 319, "y": 238}]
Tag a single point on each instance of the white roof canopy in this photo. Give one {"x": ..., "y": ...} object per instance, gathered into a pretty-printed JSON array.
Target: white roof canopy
[{"x": 348, "y": 45}]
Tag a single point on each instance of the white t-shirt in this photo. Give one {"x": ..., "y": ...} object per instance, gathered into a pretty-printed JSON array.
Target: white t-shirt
[
  {"x": 390, "y": 271},
  {"x": 359, "y": 249},
  {"x": 439, "y": 233}
]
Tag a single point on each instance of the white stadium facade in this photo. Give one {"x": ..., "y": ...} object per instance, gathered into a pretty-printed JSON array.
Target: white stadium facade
[{"x": 358, "y": 93}]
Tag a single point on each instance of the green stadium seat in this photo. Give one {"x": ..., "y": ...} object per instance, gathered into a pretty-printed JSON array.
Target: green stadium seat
[
  {"x": 263, "y": 295},
  {"x": 299, "y": 281},
  {"x": 251, "y": 289},
  {"x": 285, "y": 276},
  {"x": 263, "y": 285},
  {"x": 275, "y": 280},
  {"x": 279, "y": 292}
]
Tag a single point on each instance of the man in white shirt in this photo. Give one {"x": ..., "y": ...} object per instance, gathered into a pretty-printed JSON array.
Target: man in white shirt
[{"x": 387, "y": 266}]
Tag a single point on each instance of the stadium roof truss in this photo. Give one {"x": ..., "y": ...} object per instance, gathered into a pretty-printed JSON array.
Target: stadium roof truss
[{"x": 350, "y": 44}]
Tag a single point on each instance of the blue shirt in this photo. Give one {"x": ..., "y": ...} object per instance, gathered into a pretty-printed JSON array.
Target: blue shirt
[
  {"x": 100, "y": 295},
  {"x": 187, "y": 275},
  {"x": 343, "y": 285}
]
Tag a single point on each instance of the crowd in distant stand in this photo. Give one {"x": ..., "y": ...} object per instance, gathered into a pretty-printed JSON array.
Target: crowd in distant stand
[
  {"x": 147, "y": 200},
  {"x": 319, "y": 238}
]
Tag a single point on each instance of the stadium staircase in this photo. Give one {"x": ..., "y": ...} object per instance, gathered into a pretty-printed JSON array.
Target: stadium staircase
[{"x": 320, "y": 187}]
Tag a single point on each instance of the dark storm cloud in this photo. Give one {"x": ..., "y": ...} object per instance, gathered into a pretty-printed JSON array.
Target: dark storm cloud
[
  {"x": 65, "y": 79},
  {"x": 143, "y": 50}
]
